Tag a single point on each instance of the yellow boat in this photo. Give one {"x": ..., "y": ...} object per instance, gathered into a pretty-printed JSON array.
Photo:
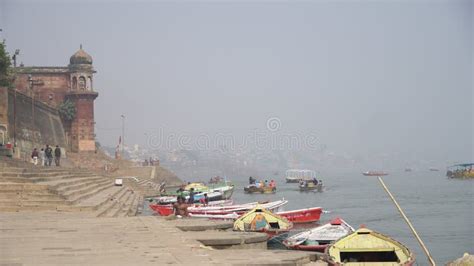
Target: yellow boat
[
  {"x": 261, "y": 220},
  {"x": 198, "y": 187},
  {"x": 464, "y": 170},
  {"x": 366, "y": 247}
]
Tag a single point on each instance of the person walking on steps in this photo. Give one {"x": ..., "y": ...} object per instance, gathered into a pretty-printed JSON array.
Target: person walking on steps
[
  {"x": 42, "y": 157},
  {"x": 49, "y": 155},
  {"x": 57, "y": 155},
  {"x": 34, "y": 156}
]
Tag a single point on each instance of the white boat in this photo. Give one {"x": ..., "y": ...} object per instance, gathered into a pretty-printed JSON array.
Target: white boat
[
  {"x": 273, "y": 206},
  {"x": 219, "y": 193},
  {"x": 296, "y": 175},
  {"x": 318, "y": 238}
]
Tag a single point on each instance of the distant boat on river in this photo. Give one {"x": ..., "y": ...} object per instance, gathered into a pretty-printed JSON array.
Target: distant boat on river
[{"x": 375, "y": 173}]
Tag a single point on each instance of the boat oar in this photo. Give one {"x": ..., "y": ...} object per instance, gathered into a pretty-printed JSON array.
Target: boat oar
[{"x": 430, "y": 259}]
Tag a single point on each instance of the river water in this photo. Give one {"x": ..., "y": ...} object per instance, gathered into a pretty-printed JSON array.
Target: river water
[{"x": 440, "y": 209}]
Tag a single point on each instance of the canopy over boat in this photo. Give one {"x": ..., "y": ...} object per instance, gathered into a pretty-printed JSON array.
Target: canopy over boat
[
  {"x": 365, "y": 245},
  {"x": 197, "y": 187},
  {"x": 261, "y": 220},
  {"x": 295, "y": 175}
]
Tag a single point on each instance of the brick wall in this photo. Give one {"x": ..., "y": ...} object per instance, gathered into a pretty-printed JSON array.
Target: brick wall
[
  {"x": 49, "y": 88},
  {"x": 37, "y": 124}
]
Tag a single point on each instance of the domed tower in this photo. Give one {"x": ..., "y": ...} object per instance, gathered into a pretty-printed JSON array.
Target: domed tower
[{"x": 81, "y": 93}]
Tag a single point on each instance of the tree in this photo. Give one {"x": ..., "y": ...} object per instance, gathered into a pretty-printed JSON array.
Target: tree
[
  {"x": 67, "y": 110},
  {"x": 5, "y": 67}
]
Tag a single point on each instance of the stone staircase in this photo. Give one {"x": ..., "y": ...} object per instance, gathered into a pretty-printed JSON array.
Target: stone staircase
[{"x": 62, "y": 189}]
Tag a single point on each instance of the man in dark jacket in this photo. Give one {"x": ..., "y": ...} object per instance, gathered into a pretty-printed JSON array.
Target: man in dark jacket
[
  {"x": 48, "y": 152},
  {"x": 57, "y": 155}
]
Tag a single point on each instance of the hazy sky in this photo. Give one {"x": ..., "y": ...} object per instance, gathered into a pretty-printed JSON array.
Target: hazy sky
[{"x": 365, "y": 76}]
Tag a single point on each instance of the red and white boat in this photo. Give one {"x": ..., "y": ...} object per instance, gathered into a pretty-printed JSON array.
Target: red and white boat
[
  {"x": 318, "y": 238},
  {"x": 308, "y": 215},
  {"x": 167, "y": 209}
]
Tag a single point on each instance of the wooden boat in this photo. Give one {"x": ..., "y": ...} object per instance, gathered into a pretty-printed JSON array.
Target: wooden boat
[
  {"x": 263, "y": 190},
  {"x": 239, "y": 209},
  {"x": 261, "y": 220},
  {"x": 311, "y": 186},
  {"x": 375, "y": 173},
  {"x": 220, "y": 211},
  {"x": 296, "y": 175},
  {"x": 167, "y": 209},
  {"x": 366, "y": 247},
  {"x": 308, "y": 215},
  {"x": 218, "y": 193},
  {"x": 464, "y": 170},
  {"x": 318, "y": 238}
]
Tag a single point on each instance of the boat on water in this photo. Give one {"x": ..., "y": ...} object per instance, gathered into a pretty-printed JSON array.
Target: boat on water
[
  {"x": 408, "y": 170},
  {"x": 308, "y": 215},
  {"x": 464, "y": 170},
  {"x": 432, "y": 169},
  {"x": 375, "y": 173},
  {"x": 296, "y": 175},
  {"x": 218, "y": 193},
  {"x": 250, "y": 189},
  {"x": 220, "y": 209},
  {"x": 366, "y": 247},
  {"x": 273, "y": 206},
  {"x": 167, "y": 209},
  {"x": 261, "y": 220},
  {"x": 311, "y": 185},
  {"x": 318, "y": 238}
]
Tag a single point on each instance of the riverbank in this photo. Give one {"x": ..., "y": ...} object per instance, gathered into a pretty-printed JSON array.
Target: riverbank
[{"x": 55, "y": 238}]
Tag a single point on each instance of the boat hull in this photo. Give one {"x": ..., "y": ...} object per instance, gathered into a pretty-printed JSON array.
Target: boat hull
[
  {"x": 261, "y": 190},
  {"x": 318, "y": 187},
  {"x": 309, "y": 215}
]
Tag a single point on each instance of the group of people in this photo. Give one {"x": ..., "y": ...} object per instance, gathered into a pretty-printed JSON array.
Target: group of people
[
  {"x": 151, "y": 162},
  {"x": 45, "y": 156},
  {"x": 254, "y": 182}
]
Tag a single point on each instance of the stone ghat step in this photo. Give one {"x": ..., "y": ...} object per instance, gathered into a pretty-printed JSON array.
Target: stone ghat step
[
  {"x": 28, "y": 196},
  {"x": 32, "y": 208},
  {"x": 11, "y": 186},
  {"x": 99, "y": 201},
  {"x": 88, "y": 192},
  {"x": 129, "y": 207},
  {"x": 31, "y": 203},
  {"x": 63, "y": 183},
  {"x": 111, "y": 203},
  {"x": 65, "y": 188},
  {"x": 85, "y": 189},
  {"x": 43, "y": 175}
]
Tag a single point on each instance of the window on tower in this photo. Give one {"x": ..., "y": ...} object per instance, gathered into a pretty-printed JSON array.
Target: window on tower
[
  {"x": 74, "y": 83},
  {"x": 82, "y": 83}
]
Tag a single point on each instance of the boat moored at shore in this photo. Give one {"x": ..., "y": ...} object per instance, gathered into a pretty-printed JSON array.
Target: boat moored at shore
[
  {"x": 261, "y": 220},
  {"x": 365, "y": 246},
  {"x": 318, "y": 238}
]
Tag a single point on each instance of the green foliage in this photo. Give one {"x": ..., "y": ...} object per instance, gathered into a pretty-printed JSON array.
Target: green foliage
[
  {"x": 67, "y": 110},
  {"x": 5, "y": 67}
]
